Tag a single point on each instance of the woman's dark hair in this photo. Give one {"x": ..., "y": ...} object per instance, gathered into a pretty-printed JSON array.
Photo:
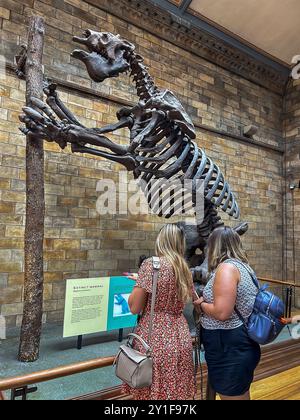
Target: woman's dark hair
[{"x": 224, "y": 243}]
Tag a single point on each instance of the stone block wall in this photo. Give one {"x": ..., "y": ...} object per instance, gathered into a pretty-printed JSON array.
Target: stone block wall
[
  {"x": 78, "y": 241},
  {"x": 292, "y": 184}
]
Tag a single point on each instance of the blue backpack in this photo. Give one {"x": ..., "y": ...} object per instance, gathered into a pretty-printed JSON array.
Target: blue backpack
[{"x": 264, "y": 324}]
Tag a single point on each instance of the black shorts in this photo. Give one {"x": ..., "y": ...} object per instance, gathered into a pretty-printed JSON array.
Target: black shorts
[{"x": 231, "y": 358}]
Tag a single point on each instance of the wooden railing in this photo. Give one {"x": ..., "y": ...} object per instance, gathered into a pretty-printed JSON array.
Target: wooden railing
[
  {"x": 276, "y": 358},
  {"x": 55, "y": 373},
  {"x": 76, "y": 368},
  {"x": 279, "y": 282},
  {"x": 290, "y": 289}
]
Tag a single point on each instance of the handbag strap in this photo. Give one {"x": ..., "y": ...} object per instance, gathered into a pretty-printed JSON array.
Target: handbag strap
[
  {"x": 156, "y": 268},
  {"x": 138, "y": 338}
]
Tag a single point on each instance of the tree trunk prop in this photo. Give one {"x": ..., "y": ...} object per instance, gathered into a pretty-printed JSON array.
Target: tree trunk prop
[{"x": 35, "y": 205}]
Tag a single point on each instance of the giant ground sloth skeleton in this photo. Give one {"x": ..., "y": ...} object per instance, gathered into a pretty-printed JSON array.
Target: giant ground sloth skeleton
[{"x": 162, "y": 137}]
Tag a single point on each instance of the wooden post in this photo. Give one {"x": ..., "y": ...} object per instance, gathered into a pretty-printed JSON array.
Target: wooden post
[{"x": 35, "y": 205}]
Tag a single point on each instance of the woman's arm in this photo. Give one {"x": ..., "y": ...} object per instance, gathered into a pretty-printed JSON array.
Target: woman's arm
[
  {"x": 225, "y": 292},
  {"x": 137, "y": 300}
]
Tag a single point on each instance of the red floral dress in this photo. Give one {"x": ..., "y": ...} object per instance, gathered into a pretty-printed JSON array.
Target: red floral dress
[{"x": 173, "y": 368}]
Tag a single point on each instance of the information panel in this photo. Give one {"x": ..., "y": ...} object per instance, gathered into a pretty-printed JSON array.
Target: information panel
[{"x": 97, "y": 304}]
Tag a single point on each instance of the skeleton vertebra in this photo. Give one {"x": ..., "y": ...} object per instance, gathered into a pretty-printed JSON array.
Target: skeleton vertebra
[{"x": 162, "y": 134}]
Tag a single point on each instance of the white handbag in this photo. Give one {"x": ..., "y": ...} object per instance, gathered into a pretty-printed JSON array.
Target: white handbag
[{"x": 133, "y": 367}]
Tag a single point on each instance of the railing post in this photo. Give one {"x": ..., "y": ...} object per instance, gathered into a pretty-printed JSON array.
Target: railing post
[
  {"x": 22, "y": 392},
  {"x": 290, "y": 301}
]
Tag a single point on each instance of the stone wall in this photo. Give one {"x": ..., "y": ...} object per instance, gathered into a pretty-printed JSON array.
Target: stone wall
[
  {"x": 79, "y": 242},
  {"x": 292, "y": 137}
]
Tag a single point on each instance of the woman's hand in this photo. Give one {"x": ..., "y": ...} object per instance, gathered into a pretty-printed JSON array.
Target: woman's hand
[
  {"x": 197, "y": 303},
  {"x": 133, "y": 276}
]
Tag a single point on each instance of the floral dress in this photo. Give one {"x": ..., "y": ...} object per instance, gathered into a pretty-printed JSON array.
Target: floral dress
[{"x": 171, "y": 343}]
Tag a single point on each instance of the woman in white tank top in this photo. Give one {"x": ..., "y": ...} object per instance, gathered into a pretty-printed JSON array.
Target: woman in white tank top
[{"x": 231, "y": 355}]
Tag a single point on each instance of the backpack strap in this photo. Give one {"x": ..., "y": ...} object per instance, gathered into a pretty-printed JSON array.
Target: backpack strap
[
  {"x": 256, "y": 284},
  {"x": 252, "y": 274},
  {"x": 250, "y": 271},
  {"x": 156, "y": 268},
  {"x": 240, "y": 316}
]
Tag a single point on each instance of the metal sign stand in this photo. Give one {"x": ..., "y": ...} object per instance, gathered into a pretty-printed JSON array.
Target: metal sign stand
[{"x": 80, "y": 339}]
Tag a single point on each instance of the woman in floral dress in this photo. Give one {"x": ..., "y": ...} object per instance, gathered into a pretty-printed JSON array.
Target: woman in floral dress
[{"x": 173, "y": 370}]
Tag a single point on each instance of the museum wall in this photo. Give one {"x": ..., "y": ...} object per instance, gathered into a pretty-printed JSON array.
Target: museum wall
[
  {"x": 292, "y": 145},
  {"x": 78, "y": 241}
]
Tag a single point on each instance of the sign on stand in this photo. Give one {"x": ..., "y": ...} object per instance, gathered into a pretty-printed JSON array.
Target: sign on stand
[{"x": 96, "y": 305}]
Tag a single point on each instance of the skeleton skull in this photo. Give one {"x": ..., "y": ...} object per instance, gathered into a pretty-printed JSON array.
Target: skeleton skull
[{"x": 107, "y": 56}]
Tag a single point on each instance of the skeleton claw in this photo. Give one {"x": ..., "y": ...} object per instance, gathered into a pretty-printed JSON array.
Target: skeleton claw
[
  {"x": 24, "y": 130},
  {"x": 35, "y": 115},
  {"x": 41, "y": 105}
]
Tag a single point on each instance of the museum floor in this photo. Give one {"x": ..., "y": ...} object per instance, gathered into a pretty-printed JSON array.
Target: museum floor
[
  {"x": 284, "y": 386},
  {"x": 56, "y": 351}
]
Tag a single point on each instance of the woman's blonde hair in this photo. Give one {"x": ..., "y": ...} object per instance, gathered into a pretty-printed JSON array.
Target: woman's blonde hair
[
  {"x": 171, "y": 243},
  {"x": 224, "y": 243}
]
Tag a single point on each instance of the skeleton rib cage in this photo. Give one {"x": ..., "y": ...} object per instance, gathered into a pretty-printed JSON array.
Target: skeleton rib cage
[{"x": 176, "y": 158}]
